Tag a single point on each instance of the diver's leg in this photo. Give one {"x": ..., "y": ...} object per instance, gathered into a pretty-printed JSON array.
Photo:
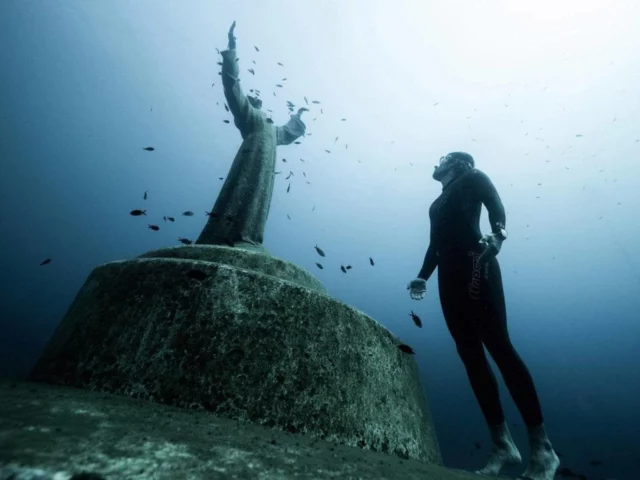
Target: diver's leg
[
  {"x": 543, "y": 462},
  {"x": 458, "y": 307}
]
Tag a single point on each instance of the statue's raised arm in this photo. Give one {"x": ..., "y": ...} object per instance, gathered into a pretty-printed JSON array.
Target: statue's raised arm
[
  {"x": 293, "y": 129},
  {"x": 236, "y": 99}
]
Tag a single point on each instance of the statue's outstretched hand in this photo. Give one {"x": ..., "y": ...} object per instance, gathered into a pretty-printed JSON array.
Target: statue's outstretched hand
[
  {"x": 300, "y": 110},
  {"x": 417, "y": 288},
  {"x": 232, "y": 39}
]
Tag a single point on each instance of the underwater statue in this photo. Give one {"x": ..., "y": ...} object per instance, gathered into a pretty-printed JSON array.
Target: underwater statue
[{"x": 240, "y": 212}]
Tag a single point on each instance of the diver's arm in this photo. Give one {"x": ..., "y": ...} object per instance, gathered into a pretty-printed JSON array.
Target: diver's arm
[
  {"x": 430, "y": 263},
  {"x": 489, "y": 196}
]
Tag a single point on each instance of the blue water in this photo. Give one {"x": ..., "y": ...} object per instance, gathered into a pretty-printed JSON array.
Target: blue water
[{"x": 545, "y": 97}]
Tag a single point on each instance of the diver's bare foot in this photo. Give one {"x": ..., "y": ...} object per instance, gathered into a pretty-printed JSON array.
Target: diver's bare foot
[
  {"x": 543, "y": 463},
  {"x": 503, "y": 454}
]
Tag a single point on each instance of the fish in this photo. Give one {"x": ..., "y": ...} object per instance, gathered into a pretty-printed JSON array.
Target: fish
[
  {"x": 288, "y": 216},
  {"x": 257, "y": 49},
  {"x": 308, "y": 183},
  {"x": 46, "y": 261},
  {"x": 348, "y": 267},
  {"x": 164, "y": 218},
  {"x": 319, "y": 266},
  {"x": 188, "y": 213},
  {"x": 302, "y": 160},
  {"x": 171, "y": 219},
  {"x": 196, "y": 274},
  {"x": 319, "y": 250},
  {"x": 211, "y": 214},
  {"x": 371, "y": 261},
  {"x": 219, "y": 63},
  {"x": 289, "y": 188},
  {"x": 284, "y": 160},
  {"x": 579, "y": 135},
  {"x": 284, "y": 79},
  {"x": 336, "y": 140},
  {"x": 149, "y": 149},
  {"x": 346, "y": 146},
  {"x": 305, "y": 175},
  {"x": 278, "y": 85},
  {"x": 226, "y": 107},
  {"x": 269, "y": 120},
  {"x": 144, "y": 197},
  {"x": 297, "y": 143},
  {"x": 185, "y": 241},
  {"x": 306, "y": 101},
  {"x": 344, "y": 270},
  {"x": 314, "y": 207},
  {"x": 137, "y": 213},
  {"x": 343, "y": 119},
  {"x": 155, "y": 228},
  {"x": 225, "y": 121},
  {"x": 251, "y": 71},
  {"x": 315, "y": 101},
  {"x": 276, "y": 173},
  {"x": 328, "y": 151},
  {"x": 321, "y": 111},
  {"x": 406, "y": 348},
  {"x": 416, "y": 319},
  {"x": 280, "y": 64},
  {"x": 220, "y": 178}
]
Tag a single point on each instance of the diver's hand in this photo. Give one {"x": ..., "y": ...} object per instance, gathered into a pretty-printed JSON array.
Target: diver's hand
[
  {"x": 492, "y": 245},
  {"x": 232, "y": 39},
  {"x": 417, "y": 288}
]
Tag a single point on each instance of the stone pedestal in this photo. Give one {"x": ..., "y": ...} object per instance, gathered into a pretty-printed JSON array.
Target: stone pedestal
[{"x": 247, "y": 336}]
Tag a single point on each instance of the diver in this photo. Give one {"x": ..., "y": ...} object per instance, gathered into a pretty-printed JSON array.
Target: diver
[{"x": 473, "y": 304}]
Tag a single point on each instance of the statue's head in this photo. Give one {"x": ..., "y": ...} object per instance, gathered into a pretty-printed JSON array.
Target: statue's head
[
  {"x": 255, "y": 101},
  {"x": 452, "y": 165}
]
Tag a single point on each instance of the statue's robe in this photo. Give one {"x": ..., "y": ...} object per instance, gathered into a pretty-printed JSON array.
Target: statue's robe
[{"x": 242, "y": 207}]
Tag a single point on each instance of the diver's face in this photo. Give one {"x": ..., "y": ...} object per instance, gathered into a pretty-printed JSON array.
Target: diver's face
[{"x": 445, "y": 165}]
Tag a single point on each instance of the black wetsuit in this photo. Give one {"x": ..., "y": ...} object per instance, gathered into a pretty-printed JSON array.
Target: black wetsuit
[{"x": 472, "y": 297}]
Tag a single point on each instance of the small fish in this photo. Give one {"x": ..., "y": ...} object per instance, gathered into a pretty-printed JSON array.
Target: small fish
[
  {"x": 297, "y": 143},
  {"x": 288, "y": 216},
  {"x": 348, "y": 267},
  {"x": 211, "y": 214},
  {"x": 276, "y": 173},
  {"x": 406, "y": 348},
  {"x": 269, "y": 120},
  {"x": 278, "y": 85},
  {"x": 137, "y": 213},
  {"x": 336, "y": 140},
  {"x": 305, "y": 175},
  {"x": 289, "y": 188},
  {"x": 416, "y": 319},
  {"x": 321, "y": 111},
  {"x": 371, "y": 261},
  {"x": 220, "y": 178},
  {"x": 257, "y": 49},
  {"x": 149, "y": 149},
  {"x": 314, "y": 207},
  {"x": 436, "y": 104},
  {"x": 212, "y": 85},
  {"x": 343, "y": 120},
  {"x": 308, "y": 183},
  {"x": 196, "y": 274},
  {"x": 346, "y": 146},
  {"x": 328, "y": 151},
  {"x": 319, "y": 266},
  {"x": 185, "y": 241},
  {"x": 219, "y": 63},
  {"x": 315, "y": 101},
  {"x": 306, "y": 101},
  {"x": 226, "y": 107},
  {"x": 302, "y": 160},
  {"x": 164, "y": 218},
  {"x": 144, "y": 197},
  {"x": 155, "y": 228},
  {"x": 344, "y": 270},
  {"x": 284, "y": 160},
  {"x": 188, "y": 213},
  {"x": 171, "y": 219},
  {"x": 280, "y": 64},
  {"x": 225, "y": 121},
  {"x": 46, "y": 261},
  {"x": 229, "y": 242},
  {"x": 251, "y": 71},
  {"x": 579, "y": 135},
  {"x": 284, "y": 79},
  {"x": 319, "y": 250}
]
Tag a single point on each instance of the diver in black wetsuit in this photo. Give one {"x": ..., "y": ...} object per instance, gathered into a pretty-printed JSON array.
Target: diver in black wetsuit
[{"x": 472, "y": 299}]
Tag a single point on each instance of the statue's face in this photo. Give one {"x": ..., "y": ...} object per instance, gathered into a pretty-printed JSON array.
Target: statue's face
[{"x": 255, "y": 102}]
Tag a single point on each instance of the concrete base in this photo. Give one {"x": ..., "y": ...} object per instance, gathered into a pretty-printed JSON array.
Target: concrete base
[
  {"x": 253, "y": 339},
  {"x": 63, "y": 430}
]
